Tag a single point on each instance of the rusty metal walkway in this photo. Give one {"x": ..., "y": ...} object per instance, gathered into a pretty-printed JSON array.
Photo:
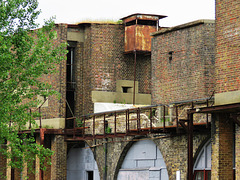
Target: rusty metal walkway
[{"x": 135, "y": 121}]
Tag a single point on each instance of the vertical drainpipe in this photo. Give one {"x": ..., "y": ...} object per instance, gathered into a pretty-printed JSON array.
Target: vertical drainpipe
[
  {"x": 134, "y": 83},
  {"x": 135, "y": 64}
]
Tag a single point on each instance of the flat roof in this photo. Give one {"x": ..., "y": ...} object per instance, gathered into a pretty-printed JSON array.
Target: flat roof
[
  {"x": 136, "y": 14},
  {"x": 183, "y": 26}
]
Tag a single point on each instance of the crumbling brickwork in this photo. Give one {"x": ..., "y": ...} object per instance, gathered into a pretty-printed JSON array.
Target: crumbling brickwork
[{"x": 183, "y": 62}]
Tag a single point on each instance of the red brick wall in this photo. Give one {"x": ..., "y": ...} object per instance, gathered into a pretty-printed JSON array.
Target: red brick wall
[
  {"x": 104, "y": 62},
  {"x": 56, "y": 107},
  {"x": 189, "y": 75},
  {"x": 228, "y": 49}
]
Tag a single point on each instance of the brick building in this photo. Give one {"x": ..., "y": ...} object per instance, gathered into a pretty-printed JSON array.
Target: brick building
[
  {"x": 183, "y": 62},
  {"x": 111, "y": 65}
]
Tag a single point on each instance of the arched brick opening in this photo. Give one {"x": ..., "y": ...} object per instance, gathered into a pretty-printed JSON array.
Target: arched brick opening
[
  {"x": 141, "y": 158},
  {"x": 81, "y": 163}
]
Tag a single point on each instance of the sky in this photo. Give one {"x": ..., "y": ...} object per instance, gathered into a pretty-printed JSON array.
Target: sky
[{"x": 74, "y": 11}]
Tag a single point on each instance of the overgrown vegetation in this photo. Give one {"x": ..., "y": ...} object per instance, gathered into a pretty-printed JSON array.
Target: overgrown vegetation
[{"x": 25, "y": 55}]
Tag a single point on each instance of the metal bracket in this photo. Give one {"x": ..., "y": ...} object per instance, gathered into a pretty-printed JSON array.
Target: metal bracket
[
  {"x": 182, "y": 123},
  {"x": 235, "y": 120}
]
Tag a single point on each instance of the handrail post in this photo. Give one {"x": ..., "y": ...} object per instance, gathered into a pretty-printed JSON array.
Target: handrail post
[
  {"x": 138, "y": 119},
  {"x": 115, "y": 123},
  {"x": 207, "y": 116},
  {"x": 104, "y": 124},
  {"x": 128, "y": 117},
  {"x": 94, "y": 126},
  {"x": 30, "y": 123},
  {"x": 40, "y": 117},
  {"x": 127, "y": 122},
  {"x": 177, "y": 119},
  {"x": 151, "y": 119},
  {"x": 74, "y": 128},
  {"x": 164, "y": 109},
  {"x": 84, "y": 121}
]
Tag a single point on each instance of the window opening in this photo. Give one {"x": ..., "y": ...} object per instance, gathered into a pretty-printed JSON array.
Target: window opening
[
  {"x": 126, "y": 89},
  {"x": 130, "y": 23},
  {"x": 70, "y": 94},
  {"x": 147, "y": 22},
  {"x": 142, "y": 22},
  {"x": 70, "y": 68},
  {"x": 170, "y": 56},
  {"x": 89, "y": 175}
]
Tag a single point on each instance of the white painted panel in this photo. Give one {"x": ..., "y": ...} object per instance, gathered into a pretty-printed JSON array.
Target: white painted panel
[
  {"x": 208, "y": 154},
  {"x": 145, "y": 150},
  {"x": 154, "y": 175},
  {"x": 79, "y": 161},
  {"x": 201, "y": 161},
  {"x": 145, "y": 163},
  {"x": 143, "y": 154},
  {"x": 164, "y": 174},
  {"x": 133, "y": 175},
  {"x": 103, "y": 107}
]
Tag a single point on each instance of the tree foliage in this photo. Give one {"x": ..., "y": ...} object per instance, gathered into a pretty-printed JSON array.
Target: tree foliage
[{"x": 25, "y": 55}]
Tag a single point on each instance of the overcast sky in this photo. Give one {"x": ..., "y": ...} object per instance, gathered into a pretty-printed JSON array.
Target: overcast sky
[{"x": 178, "y": 11}]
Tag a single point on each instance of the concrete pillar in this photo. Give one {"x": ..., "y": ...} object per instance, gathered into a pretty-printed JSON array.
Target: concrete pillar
[
  {"x": 222, "y": 147},
  {"x": 59, "y": 158}
]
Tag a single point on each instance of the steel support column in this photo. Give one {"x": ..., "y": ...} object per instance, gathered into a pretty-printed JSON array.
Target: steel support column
[{"x": 190, "y": 146}]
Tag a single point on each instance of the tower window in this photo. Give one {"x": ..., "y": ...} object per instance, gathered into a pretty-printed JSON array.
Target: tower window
[{"x": 170, "y": 56}]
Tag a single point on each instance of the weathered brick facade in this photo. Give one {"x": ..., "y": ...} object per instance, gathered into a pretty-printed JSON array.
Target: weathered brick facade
[
  {"x": 182, "y": 67},
  {"x": 59, "y": 158},
  {"x": 227, "y": 79},
  {"x": 173, "y": 149},
  {"x": 227, "y": 46},
  {"x": 183, "y": 62},
  {"x": 222, "y": 147},
  {"x": 56, "y": 106},
  {"x": 100, "y": 62}
]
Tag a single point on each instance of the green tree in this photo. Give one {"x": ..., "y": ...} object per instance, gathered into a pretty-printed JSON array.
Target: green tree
[{"x": 25, "y": 55}]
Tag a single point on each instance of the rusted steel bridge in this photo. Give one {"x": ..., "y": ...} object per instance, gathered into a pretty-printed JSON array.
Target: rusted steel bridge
[
  {"x": 131, "y": 122},
  {"x": 179, "y": 118}
]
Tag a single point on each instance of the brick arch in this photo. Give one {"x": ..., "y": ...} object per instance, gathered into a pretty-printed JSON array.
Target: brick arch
[
  {"x": 174, "y": 152},
  {"x": 126, "y": 150},
  {"x": 123, "y": 155},
  {"x": 75, "y": 162},
  {"x": 199, "y": 149}
]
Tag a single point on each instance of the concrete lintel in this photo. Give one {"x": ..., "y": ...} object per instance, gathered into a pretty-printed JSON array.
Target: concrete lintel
[{"x": 230, "y": 97}]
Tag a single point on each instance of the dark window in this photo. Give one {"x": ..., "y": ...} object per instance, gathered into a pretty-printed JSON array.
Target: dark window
[
  {"x": 142, "y": 22},
  {"x": 89, "y": 175},
  {"x": 126, "y": 89},
  {"x": 170, "y": 56},
  {"x": 202, "y": 175},
  {"x": 70, "y": 68},
  {"x": 130, "y": 23},
  {"x": 147, "y": 22}
]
